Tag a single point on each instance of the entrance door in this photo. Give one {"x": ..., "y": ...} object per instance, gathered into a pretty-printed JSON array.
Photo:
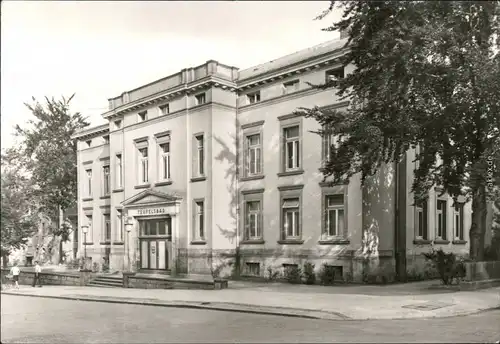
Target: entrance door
[{"x": 155, "y": 244}]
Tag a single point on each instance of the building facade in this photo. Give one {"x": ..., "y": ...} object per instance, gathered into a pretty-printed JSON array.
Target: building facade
[{"x": 212, "y": 162}]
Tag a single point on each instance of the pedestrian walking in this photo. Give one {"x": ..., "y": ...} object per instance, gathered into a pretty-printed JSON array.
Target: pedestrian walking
[
  {"x": 15, "y": 271},
  {"x": 38, "y": 270}
]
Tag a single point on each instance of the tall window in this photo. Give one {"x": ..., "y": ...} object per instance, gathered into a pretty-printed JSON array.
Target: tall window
[
  {"x": 143, "y": 165},
  {"x": 254, "y": 155},
  {"x": 88, "y": 173},
  {"x": 253, "y": 221},
  {"x": 291, "y": 218},
  {"x": 441, "y": 219},
  {"x": 292, "y": 148},
  {"x": 335, "y": 215},
  {"x": 458, "y": 223},
  {"x": 106, "y": 180},
  {"x": 165, "y": 160},
  {"x": 119, "y": 171},
  {"x": 421, "y": 220},
  {"x": 119, "y": 225},
  {"x": 199, "y": 220},
  {"x": 107, "y": 228},
  {"x": 200, "y": 156}
]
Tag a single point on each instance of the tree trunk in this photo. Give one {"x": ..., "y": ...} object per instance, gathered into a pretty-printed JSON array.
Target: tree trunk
[
  {"x": 60, "y": 220},
  {"x": 5, "y": 260},
  {"x": 478, "y": 226}
]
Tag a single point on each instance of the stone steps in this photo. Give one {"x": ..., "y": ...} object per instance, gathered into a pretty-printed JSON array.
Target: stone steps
[{"x": 107, "y": 281}]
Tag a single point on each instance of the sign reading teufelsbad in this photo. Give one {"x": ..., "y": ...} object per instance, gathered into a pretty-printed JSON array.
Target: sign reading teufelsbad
[{"x": 151, "y": 211}]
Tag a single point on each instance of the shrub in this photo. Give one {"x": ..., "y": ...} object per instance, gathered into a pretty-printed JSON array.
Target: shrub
[
  {"x": 293, "y": 274},
  {"x": 95, "y": 267},
  {"x": 327, "y": 275},
  {"x": 105, "y": 266},
  {"x": 309, "y": 275},
  {"x": 447, "y": 265},
  {"x": 271, "y": 274},
  {"x": 216, "y": 269}
]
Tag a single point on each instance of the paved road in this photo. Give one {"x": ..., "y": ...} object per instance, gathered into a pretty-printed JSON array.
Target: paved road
[{"x": 39, "y": 320}]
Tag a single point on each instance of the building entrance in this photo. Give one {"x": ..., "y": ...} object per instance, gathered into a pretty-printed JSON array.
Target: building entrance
[{"x": 155, "y": 243}]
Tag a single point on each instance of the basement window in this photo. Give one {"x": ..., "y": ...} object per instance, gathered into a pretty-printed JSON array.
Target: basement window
[
  {"x": 142, "y": 116},
  {"x": 253, "y": 97},
  {"x": 334, "y": 74}
]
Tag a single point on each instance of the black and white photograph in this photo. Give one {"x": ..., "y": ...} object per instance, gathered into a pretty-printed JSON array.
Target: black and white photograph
[{"x": 250, "y": 171}]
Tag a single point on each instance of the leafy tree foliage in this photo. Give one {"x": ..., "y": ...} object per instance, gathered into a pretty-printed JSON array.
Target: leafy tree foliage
[
  {"x": 48, "y": 145},
  {"x": 18, "y": 213},
  {"x": 427, "y": 73}
]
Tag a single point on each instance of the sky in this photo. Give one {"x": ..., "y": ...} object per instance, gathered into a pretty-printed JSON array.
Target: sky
[{"x": 99, "y": 49}]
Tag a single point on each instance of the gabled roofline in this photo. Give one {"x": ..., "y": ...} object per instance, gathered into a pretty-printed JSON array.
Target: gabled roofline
[{"x": 172, "y": 198}]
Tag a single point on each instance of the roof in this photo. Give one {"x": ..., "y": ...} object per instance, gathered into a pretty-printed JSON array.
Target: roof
[{"x": 293, "y": 58}]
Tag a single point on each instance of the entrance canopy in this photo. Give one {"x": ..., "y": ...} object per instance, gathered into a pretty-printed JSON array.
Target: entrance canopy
[{"x": 152, "y": 203}]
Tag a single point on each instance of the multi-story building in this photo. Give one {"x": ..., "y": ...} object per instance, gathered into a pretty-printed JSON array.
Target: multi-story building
[{"x": 213, "y": 161}]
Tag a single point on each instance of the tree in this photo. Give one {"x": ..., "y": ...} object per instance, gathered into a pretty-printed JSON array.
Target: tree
[
  {"x": 18, "y": 213},
  {"x": 428, "y": 75},
  {"x": 48, "y": 144}
]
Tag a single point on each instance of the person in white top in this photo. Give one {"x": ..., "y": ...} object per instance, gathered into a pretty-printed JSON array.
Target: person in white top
[
  {"x": 15, "y": 271},
  {"x": 38, "y": 270}
]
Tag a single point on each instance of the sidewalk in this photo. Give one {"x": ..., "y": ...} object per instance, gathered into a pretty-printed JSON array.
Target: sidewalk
[{"x": 405, "y": 301}]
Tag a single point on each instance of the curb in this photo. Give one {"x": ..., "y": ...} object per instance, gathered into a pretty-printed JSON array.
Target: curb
[{"x": 232, "y": 307}]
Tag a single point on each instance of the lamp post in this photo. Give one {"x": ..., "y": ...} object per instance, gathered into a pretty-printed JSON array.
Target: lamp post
[
  {"x": 128, "y": 228},
  {"x": 85, "y": 230}
]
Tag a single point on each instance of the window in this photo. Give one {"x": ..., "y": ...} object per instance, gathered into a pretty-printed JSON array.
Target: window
[
  {"x": 254, "y": 152},
  {"x": 253, "y": 97},
  {"x": 89, "y": 182},
  {"x": 164, "y": 160},
  {"x": 118, "y": 124},
  {"x": 253, "y": 220},
  {"x": 458, "y": 223},
  {"x": 421, "y": 221},
  {"x": 119, "y": 171},
  {"x": 441, "y": 219},
  {"x": 200, "y": 155},
  {"x": 291, "y": 218},
  {"x": 89, "y": 143},
  {"x": 143, "y": 165},
  {"x": 253, "y": 269},
  {"x": 119, "y": 226},
  {"x": 334, "y": 74},
  {"x": 106, "y": 139},
  {"x": 292, "y": 148},
  {"x": 329, "y": 140},
  {"x": 107, "y": 228},
  {"x": 87, "y": 238},
  {"x": 106, "y": 180},
  {"x": 200, "y": 99},
  {"x": 290, "y": 87},
  {"x": 165, "y": 109},
  {"x": 142, "y": 116},
  {"x": 199, "y": 221},
  {"x": 160, "y": 227},
  {"x": 335, "y": 215}
]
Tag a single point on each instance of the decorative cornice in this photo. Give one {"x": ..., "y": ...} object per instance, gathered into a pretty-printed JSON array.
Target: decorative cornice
[
  {"x": 252, "y": 191},
  {"x": 88, "y": 133},
  {"x": 253, "y": 124},
  {"x": 301, "y": 67},
  {"x": 172, "y": 93}
]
